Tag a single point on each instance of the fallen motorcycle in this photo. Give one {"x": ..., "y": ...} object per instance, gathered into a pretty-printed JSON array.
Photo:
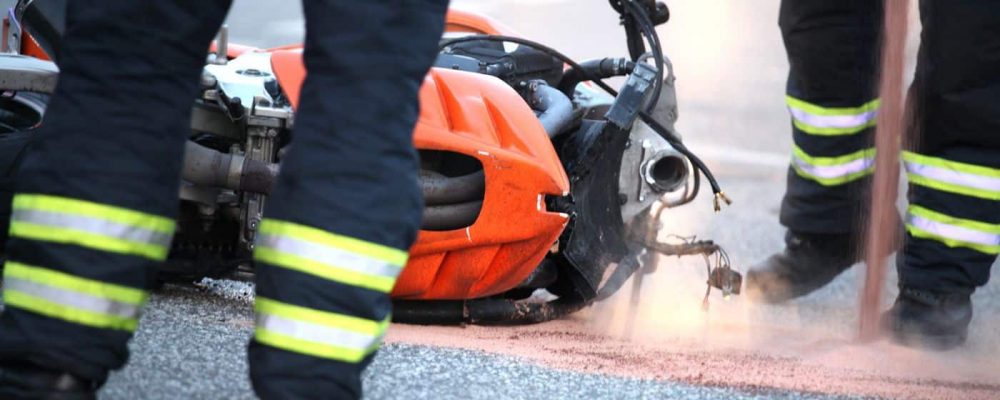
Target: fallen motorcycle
[{"x": 538, "y": 177}]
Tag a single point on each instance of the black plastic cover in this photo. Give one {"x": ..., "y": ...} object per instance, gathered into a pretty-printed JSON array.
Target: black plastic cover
[
  {"x": 633, "y": 97},
  {"x": 596, "y": 236},
  {"x": 522, "y": 64},
  {"x": 45, "y": 20}
]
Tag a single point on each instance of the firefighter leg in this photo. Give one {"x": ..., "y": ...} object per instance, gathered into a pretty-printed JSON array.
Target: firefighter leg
[
  {"x": 953, "y": 220},
  {"x": 347, "y": 204},
  {"x": 97, "y": 194},
  {"x": 832, "y": 51}
]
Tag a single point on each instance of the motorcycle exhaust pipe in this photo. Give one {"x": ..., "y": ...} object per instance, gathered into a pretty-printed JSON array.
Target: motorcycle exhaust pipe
[{"x": 666, "y": 171}]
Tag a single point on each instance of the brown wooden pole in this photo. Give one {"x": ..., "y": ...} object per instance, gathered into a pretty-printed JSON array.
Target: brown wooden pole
[{"x": 883, "y": 220}]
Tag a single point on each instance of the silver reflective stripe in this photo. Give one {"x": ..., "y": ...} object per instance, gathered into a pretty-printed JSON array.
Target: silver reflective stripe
[
  {"x": 953, "y": 232},
  {"x": 97, "y": 226},
  {"x": 979, "y": 182},
  {"x": 71, "y": 299},
  {"x": 833, "y": 121},
  {"x": 329, "y": 255},
  {"x": 316, "y": 333},
  {"x": 834, "y": 171}
]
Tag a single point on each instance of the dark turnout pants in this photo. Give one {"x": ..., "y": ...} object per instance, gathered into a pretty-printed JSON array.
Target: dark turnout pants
[
  {"x": 953, "y": 155},
  {"x": 96, "y": 198}
]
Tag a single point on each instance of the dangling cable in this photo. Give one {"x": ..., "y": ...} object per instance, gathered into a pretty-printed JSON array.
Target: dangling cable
[{"x": 718, "y": 195}]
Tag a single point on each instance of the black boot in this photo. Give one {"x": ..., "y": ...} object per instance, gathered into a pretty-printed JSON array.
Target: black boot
[
  {"x": 938, "y": 321},
  {"x": 808, "y": 262},
  {"x": 22, "y": 380}
]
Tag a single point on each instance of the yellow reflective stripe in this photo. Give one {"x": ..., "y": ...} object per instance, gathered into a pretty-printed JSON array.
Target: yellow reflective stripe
[
  {"x": 317, "y": 333},
  {"x": 831, "y": 121},
  {"x": 922, "y": 234},
  {"x": 952, "y": 176},
  {"x": 832, "y": 131},
  {"x": 86, "y": 208},
  {"x": 831, "y": 111},
  {"x": 24, "y": 301},
  {"x": 833, "y": 181},
  {"x": 832, "y": 161},
  {"x": 69, "y": 282},
  {"x": 309, "y": 348},
  {"x": 334, "y": 320},
  {"x": 849, "y": 172},
  {"x": 330, "y": 272},
  {"x": 388, "y": 254},
  {"x": 86, "y": 239},
  {"x": 953, "y": 231},
  {"x": 950, "y": 220},
  {"x": 953, "y": 188},
  {"x": 910, "y": 156}
]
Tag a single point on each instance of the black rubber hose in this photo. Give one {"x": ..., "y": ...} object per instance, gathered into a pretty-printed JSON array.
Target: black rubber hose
[
  {"x": 556, "y": 109},
  {"x": 441, "y": 190},
  {"x": 510, "y": 312},
  {"x": 429, "y": 312},
  {"x": 492, "y": 311},
  {"x": 667, "y": 135},
  {"x": 594, "y": 69},
  {"x": 452, "y": 216}
]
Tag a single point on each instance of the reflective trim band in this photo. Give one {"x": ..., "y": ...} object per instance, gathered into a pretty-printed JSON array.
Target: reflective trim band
[
  {"x": 316, "y": 333},
  {"x": 951, "y": 176},
  {"x": 78, "y": 300},
  {"x": 97, "y": 226},
  {"x": 832, "y": 121},
  {"x": 953, "y": 232},
  {"x": 330, "y": 256},
  {"x": 831, "y": 171}
]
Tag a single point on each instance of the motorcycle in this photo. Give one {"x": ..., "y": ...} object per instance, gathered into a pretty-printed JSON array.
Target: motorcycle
[{"x": 544, "y": 186}]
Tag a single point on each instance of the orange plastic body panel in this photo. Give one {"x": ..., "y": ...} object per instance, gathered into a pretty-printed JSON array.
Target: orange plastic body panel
[
  {"x": 482, "y": 117},
  {"x": 30, "y": 47}
]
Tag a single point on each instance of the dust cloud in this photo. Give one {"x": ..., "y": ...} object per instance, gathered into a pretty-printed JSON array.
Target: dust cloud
[{"x": 807, "y": 344}]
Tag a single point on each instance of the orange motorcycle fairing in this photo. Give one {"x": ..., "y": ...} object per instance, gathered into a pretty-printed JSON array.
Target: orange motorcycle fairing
[{"x": 482, "y": 117}]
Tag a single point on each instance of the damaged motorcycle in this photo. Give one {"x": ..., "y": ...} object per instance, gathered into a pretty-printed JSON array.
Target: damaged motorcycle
[{"x": 544, "y": 186}]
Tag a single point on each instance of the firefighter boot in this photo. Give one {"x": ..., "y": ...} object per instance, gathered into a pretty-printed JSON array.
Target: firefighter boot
[
  {"x": 28, "y": 381},
  {"x": 937, "y": 321},
  {"x": 808, "y": 262}
]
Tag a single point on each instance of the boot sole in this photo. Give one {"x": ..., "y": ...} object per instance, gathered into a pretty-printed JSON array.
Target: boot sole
[{"x": 931, "y": 342}]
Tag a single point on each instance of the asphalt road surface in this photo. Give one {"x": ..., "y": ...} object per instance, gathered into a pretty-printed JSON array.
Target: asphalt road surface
[{"x": 730, "y": 67}]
